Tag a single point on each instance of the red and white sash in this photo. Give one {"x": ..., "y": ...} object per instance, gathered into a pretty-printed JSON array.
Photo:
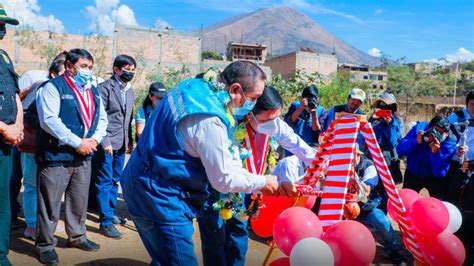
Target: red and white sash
[
  {"x": 86, "y": 107},
  {"x": 256, "y": 163}
]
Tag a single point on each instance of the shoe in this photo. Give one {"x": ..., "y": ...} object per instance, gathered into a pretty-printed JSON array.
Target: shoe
[
  {"x": 110, "y": 231},
  {"x": 119, "y": 220},
  {"x": 86, "y": 246},
  {"x": 30, "y": 232},
  {"x": 48, "y": 257}
]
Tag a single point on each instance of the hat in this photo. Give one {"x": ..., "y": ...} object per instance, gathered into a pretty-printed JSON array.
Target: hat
[
  {"x": 157, "y": 89},
  {"x": 6, "y": 18},
  {"x": 387, "y": 98},
  {"x": 358, "y": 94}
]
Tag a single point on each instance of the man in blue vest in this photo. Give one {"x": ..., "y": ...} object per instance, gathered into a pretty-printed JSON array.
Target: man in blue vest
[
  {"x": 11, "y": 133},
  {"x": 185, "y": 146},
  {"x": 73, "y": 121}
]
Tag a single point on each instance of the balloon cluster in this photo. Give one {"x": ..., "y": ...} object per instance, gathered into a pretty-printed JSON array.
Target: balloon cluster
[
  {"x": 435, "y": 223},
  {"x": 298, "y": 233}
]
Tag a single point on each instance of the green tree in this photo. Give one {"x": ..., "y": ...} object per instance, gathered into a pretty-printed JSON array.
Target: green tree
[{"x": 211, "y": 55}]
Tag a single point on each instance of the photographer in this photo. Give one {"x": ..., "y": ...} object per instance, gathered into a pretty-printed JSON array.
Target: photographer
[
  {"x": 388, "y": 126},
  {"x": 307, "y": 117},
  {"x": 428, "y": 148}
]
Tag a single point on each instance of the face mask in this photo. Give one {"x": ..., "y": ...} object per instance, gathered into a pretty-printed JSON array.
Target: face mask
[
  {"x": 83, "y": 76},
  {"x": 240, "y": 112},
  {"x": 3, "y": 31},
  {"x": 443, "y": 138},
  {"x": 127, "y": 76},
  {"x": 268, "y": 128}
]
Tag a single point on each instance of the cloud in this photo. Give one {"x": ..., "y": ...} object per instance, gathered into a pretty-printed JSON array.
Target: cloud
[
  {"x": 161, "y": 24},
  {"x": 106, "y": 13},
  {"x": 28, "y": 13},
  {"x": 461, "y": 55},
  {"x": 305, "y": 5},
  {"x": 375, "y": 52},
  {"x": 378, "y": 11}
]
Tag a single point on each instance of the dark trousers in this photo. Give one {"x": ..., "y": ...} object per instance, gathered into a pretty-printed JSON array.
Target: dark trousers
[
  {"x": 436, "y": 187},
  {"x": 5, "y": 173},
  {"x": 222, "y": 243},
  {"x": 108, "y": 169},
  {"x": 15, "y": 184},
  {"x": 455, "y": 181},
  {"x": 73, "y": 181}
]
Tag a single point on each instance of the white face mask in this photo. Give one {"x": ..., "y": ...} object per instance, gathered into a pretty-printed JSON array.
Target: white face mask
[{"x": 268, "y": 128}]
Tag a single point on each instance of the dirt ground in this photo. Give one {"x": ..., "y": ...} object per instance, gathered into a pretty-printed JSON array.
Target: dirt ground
[{"x": 129, "y": 250}]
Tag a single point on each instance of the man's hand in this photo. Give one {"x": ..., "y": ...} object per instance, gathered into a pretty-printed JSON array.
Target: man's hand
[
  {"x": 304, "y": 104},
  {"x": 129, "y": 149},
  {"x": 12, "y": 134},
  {"x": 419, "y": 137},
  {"x": 87, "y": 146},
  {"x": 271, "y": 186},
  {"x": 435, "y": 146},
  {"x": 109, "y": 150},
  {"x": 287, "y": 189}
]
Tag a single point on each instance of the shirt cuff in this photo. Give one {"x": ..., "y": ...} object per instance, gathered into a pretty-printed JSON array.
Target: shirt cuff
[
  {"x": 259, "y": 181},
  {"x": 97, "y": 138},
  {"x": 75, "y": 141}
]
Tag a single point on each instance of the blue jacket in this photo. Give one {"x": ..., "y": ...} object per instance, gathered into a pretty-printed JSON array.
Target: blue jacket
[
  {"x": 303, "y": 125},
  {"x": 161, "y": 182},
  {"x": 49, "y": 151},
  {"x": 421, "y": 162}
]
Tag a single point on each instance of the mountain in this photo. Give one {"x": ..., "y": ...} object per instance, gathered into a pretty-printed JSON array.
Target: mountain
[{"x": 283, "y": 30}]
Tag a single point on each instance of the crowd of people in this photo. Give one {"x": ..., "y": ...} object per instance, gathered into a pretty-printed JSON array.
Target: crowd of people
[{"x": 66, "y": 132}]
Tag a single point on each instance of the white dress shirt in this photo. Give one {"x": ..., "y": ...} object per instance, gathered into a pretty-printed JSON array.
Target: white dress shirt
[
  {"x": 290, "y": 169},
  {"x": 206, "y": 137}
]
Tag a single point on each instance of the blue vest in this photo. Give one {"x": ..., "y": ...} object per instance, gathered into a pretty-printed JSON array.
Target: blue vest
[
  {"x": 161, "y": 182},
  {"x": 49, "y": 151}
]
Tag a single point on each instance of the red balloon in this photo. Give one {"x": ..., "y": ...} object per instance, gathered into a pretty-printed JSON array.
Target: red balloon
[
  {"x": 281, "y": 262},
  {"x": 310, "y": 202},
  {"x": 351, "y": 243},
  {"x": 262, "y": 225},
  {"x": 295, "y": 224},
  {"x": 444, "y": 249},
  {"x": 391, "y": 211},
  {"x": 429, "y": 216},
  {"x": 408, "y": 196}
]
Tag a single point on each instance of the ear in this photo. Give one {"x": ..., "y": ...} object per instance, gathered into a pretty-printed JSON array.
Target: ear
[
  {"x": 70, "y": 67},
  {"x": 235, "y": 88}
]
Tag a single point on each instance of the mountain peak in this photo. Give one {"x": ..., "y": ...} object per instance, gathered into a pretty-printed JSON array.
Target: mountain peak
[{"x": 283, "y": 29}]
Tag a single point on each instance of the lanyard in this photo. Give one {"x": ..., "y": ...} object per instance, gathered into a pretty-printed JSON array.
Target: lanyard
[
  {"x": 256, "y": 164},
  {"x": 87, "y": 110}
]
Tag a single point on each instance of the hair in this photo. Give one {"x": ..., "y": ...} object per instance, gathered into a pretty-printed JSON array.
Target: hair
[
  {"x": 123, "y": 60},
  {"x": 470, "y": 96},
  {"x": 55, "y": 67},
  {"x": 310, "y": 92},
  {"x": 75, "y": 54},
  {"x": 270, "y": 100},
  {"x": 243, "y": 72},
  {"x": 441, "y": 122},
  {"x": 60, "y": 56}
]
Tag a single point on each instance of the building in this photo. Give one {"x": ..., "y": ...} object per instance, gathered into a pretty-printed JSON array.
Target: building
[
  {"x": 423, "y": 68},
  {"x": 303, "y": 60},
  {"x": 377, "y": 79},
  {"x": 245, "y": 51}
]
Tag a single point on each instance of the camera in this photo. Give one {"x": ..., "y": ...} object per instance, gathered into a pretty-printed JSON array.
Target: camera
[
  {"x": 430, "y": 135},
  {"x": 312, "y": 103}
]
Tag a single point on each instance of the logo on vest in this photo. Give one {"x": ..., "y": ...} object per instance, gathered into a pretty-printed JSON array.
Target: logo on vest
[
  {"x": 67, "y": 97},
  {"x": 5, "y": 58}
]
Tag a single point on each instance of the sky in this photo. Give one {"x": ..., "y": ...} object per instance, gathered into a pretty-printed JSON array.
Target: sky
[{"x": 417, "y": 30}]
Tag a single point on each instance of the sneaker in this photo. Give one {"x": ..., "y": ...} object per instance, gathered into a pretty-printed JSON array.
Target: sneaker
[
  {"x": 48, "y": 257},
  {"x": 110, "y": 231},
  {"x": 119, "y": 220},
  {"x": 86, "y": 246},
  {"x": 30, "y": 232}
]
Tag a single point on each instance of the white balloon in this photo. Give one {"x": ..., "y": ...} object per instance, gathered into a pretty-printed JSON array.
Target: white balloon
[
  {"x": 455, "y": 217},
  {"x": 311, "y": 251}
]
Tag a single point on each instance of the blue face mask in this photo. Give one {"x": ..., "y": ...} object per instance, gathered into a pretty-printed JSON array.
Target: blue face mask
[
  {"x": 83, "y": 76},
  {"x": 240, "y": 112}
]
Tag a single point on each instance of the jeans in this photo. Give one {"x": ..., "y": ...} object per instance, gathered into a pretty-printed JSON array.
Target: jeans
[
  {"x": 223, "y": 243},
  {"x": 167, "y": 244},
  {"x": 108, "y": 171},
  {"x": 378, "y": 221},
  {"x": 5, "y": 216},
  {"x": 29, "y": 169},
  {"x": 15, "y": 183}
]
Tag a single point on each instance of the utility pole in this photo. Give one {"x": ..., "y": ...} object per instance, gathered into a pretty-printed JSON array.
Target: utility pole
[{"x": 455, "y": 82}]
